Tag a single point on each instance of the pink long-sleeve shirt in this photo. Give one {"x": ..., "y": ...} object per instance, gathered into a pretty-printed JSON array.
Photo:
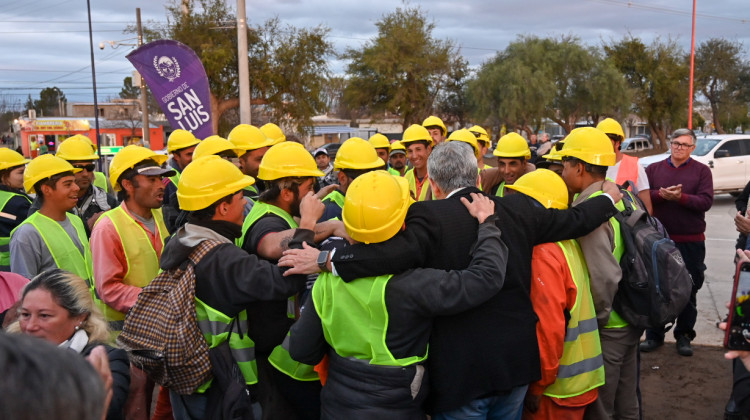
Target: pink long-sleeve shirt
[{"x": 110, "y": 264}]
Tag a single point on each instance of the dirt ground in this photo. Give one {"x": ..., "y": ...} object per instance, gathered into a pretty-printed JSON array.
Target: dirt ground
[{"x": 685, "y": 388}]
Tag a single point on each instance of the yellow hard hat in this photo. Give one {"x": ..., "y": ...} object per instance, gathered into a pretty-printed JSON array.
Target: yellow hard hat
[
  {"x": 287, "y": 159},
  {"x": 87, "y": 140},
  {"x": 543, "y": 186},
  {"x": 465, "y": 136},
  {"x": 10, "y": 158},
  {"x": 590, "y": 145},
  {"x": 380, "y": 141},
  {"x": 273, "y": 132},
  {"x": 375, "y": 206},
  {"x": 480, "y": 133},
  {"x": 433, "y": 121},
  {"x": 127, "y": 158},
  {"x": 214, "y": 145},
  {"x": 512, "y": 145},
  {"x": 43, "y": 167},
  {"x": 611, "y": 126},
  {"x": 180, "y": 139},
  {"x": 248, "y": 137},
  {"x": 357, "y": 153},
  {"x": 416, "y": 132},
  {"x": 396, "y": 145},
  {"x": 207, "y": 180},
  {"x": 76, "y": 148}
]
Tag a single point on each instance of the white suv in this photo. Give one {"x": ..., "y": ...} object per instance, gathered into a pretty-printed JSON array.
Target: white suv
[{"x": 728, "y": 156}]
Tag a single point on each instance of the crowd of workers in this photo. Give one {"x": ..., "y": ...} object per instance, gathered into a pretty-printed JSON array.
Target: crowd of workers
[{"x": 400, "y": 280}]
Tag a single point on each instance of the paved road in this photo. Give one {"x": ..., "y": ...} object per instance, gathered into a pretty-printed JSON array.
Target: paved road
[{"x": 717, "y": 289}]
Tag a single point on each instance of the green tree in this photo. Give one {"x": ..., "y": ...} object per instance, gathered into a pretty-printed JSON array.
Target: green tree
[
  {"x": 51, "y": 102},
  {"x": 718, "y": 69},
  {"x": 657, "y": 75},
  {"x": 288, "y": 65},
  {"x": 403, "y": 70},
  {"x": 537, "y": 78},
  {"x": 129, "y": 91},
  {"x": 452, "y": 101}
]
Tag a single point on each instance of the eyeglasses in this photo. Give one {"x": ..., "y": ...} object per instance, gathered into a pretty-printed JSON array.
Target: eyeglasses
[
  {"x": 89, "y": 167},
  {"x": 677, "y": 145}
]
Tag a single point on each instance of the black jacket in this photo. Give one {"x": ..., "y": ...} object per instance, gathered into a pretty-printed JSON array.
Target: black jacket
[
  {"x": 119, "y": 364},
  {"x": 492, "y": 348},
  {"x": 412, "y": 299}
]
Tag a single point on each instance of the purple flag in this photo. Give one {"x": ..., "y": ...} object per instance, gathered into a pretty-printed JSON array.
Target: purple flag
[{"x": 176, "y": 77}]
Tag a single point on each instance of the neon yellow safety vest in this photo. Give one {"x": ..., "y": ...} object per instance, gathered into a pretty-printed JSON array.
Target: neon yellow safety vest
[
  {"x": 140, "y": 256},
  {"x": 64, "y": 251},
  {"x": 394, "y": 172},
  {"x": 280, "y": 357},
  {"x": 500, "y": 190},
  {"x": 100, "y": 180},
  {"x": 413, "y": 185},
  {"x": 175, "y": 179},
  {"x": 5, "y": 196},
  {"x": 355, "y": 318},
  {"x": 335, "y": 197},
  {"x": 215, "y": 326},
  {"x": 581, "y": 366},
  {"x": 615, "y": 320}
]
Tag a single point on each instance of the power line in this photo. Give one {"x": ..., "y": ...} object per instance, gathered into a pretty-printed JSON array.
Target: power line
[{"x": 669, "y": 10}]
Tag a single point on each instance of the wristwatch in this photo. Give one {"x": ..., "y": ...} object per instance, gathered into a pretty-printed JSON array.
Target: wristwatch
[{"x": 323, "y": 260}]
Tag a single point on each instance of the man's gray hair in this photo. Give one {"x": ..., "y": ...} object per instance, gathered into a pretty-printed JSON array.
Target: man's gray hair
[
  {"x": 684, "y": 132},
  {"x": 452, "y": 165}
]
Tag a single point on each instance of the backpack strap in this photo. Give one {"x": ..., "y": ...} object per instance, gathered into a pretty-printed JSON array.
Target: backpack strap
[{"x": 201, "y": 250}]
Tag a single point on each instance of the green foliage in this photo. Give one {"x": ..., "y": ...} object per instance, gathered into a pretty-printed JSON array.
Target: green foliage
[
  {"x": 658, "y": 79},
  {"x": 536, "y": 78},
  {"x": 288, "y": 65},
  {"x": 719, "y": 67},
  {"x": 129, "y": 91},
  {"x": 401, "y": 71},
  {"x": 49, "y": 103}
]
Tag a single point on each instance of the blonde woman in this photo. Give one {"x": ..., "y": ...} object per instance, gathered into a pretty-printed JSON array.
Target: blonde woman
[{"x": 56, "y": 306}]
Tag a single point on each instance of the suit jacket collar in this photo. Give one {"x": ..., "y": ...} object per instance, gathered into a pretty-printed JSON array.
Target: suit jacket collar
[{"x": 465, "y": 193}]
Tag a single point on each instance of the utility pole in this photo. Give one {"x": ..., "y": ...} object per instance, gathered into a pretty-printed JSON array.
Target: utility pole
[
  {"x": 144, "y": 92},
  {"x": 244, "y": 72},
  {"x": 93, "y": 80}
]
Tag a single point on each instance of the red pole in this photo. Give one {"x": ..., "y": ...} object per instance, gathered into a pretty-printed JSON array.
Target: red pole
[{"x": 692, "y": 70}]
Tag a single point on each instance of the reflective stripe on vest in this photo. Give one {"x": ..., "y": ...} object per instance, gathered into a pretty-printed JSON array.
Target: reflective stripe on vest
[
  {"x": 335, "y": 197},
  {"x": 581, "y": 366},
  {"x": 419, "y": 189},
  {"x": 5, "y": 196},
  {"x": 628, "y": 170},
  {"x": 615, "y": 320},
  {"x": 64, "y": 251},
  {"x": 355, "y": 318},
  {"x": 141, "y": 259},
  {"x": 500, "y": 189},
  {"x": 215, "y": 328},
  {"x": 282, "y": 360},
  {"x": 100, "y": 180}
]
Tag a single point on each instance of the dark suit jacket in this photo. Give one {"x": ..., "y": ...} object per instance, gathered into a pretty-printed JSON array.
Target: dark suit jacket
[{"x": 492, "y": 348}]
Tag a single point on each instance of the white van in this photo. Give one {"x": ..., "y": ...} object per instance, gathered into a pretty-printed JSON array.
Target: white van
[
  {"x": 635, "y": 144},
  {"x": 728, "y": 156}
]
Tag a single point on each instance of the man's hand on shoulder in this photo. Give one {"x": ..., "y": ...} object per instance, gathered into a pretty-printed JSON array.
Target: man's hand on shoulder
[
  {"x": 612, "y": 190},
  {"x": 300, "y": 261},
  {"x": 481, "y": 207}
]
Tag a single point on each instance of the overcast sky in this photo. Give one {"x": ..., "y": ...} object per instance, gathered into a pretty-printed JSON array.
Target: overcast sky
[{"x": 45, "y": 43}]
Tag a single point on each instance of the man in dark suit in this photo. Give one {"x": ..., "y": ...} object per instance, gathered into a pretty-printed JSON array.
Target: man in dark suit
[{"x": 481, "y": 361}]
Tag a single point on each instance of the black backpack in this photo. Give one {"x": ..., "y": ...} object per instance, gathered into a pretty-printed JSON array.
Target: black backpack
[{"x": 655, "y": 284}]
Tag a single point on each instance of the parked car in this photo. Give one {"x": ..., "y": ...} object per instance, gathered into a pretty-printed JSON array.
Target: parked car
[
  {"x": 728, "y": 156},
  {"x": 331, "y": 148},
  {"x": 635, "y": 144}
]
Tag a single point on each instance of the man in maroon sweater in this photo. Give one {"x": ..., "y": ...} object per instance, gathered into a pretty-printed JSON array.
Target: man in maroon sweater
[{"x": 682, "y": 191}]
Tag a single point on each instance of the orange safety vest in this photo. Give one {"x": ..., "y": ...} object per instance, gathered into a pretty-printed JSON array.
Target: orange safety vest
[{"x": 628, "y": 170}]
